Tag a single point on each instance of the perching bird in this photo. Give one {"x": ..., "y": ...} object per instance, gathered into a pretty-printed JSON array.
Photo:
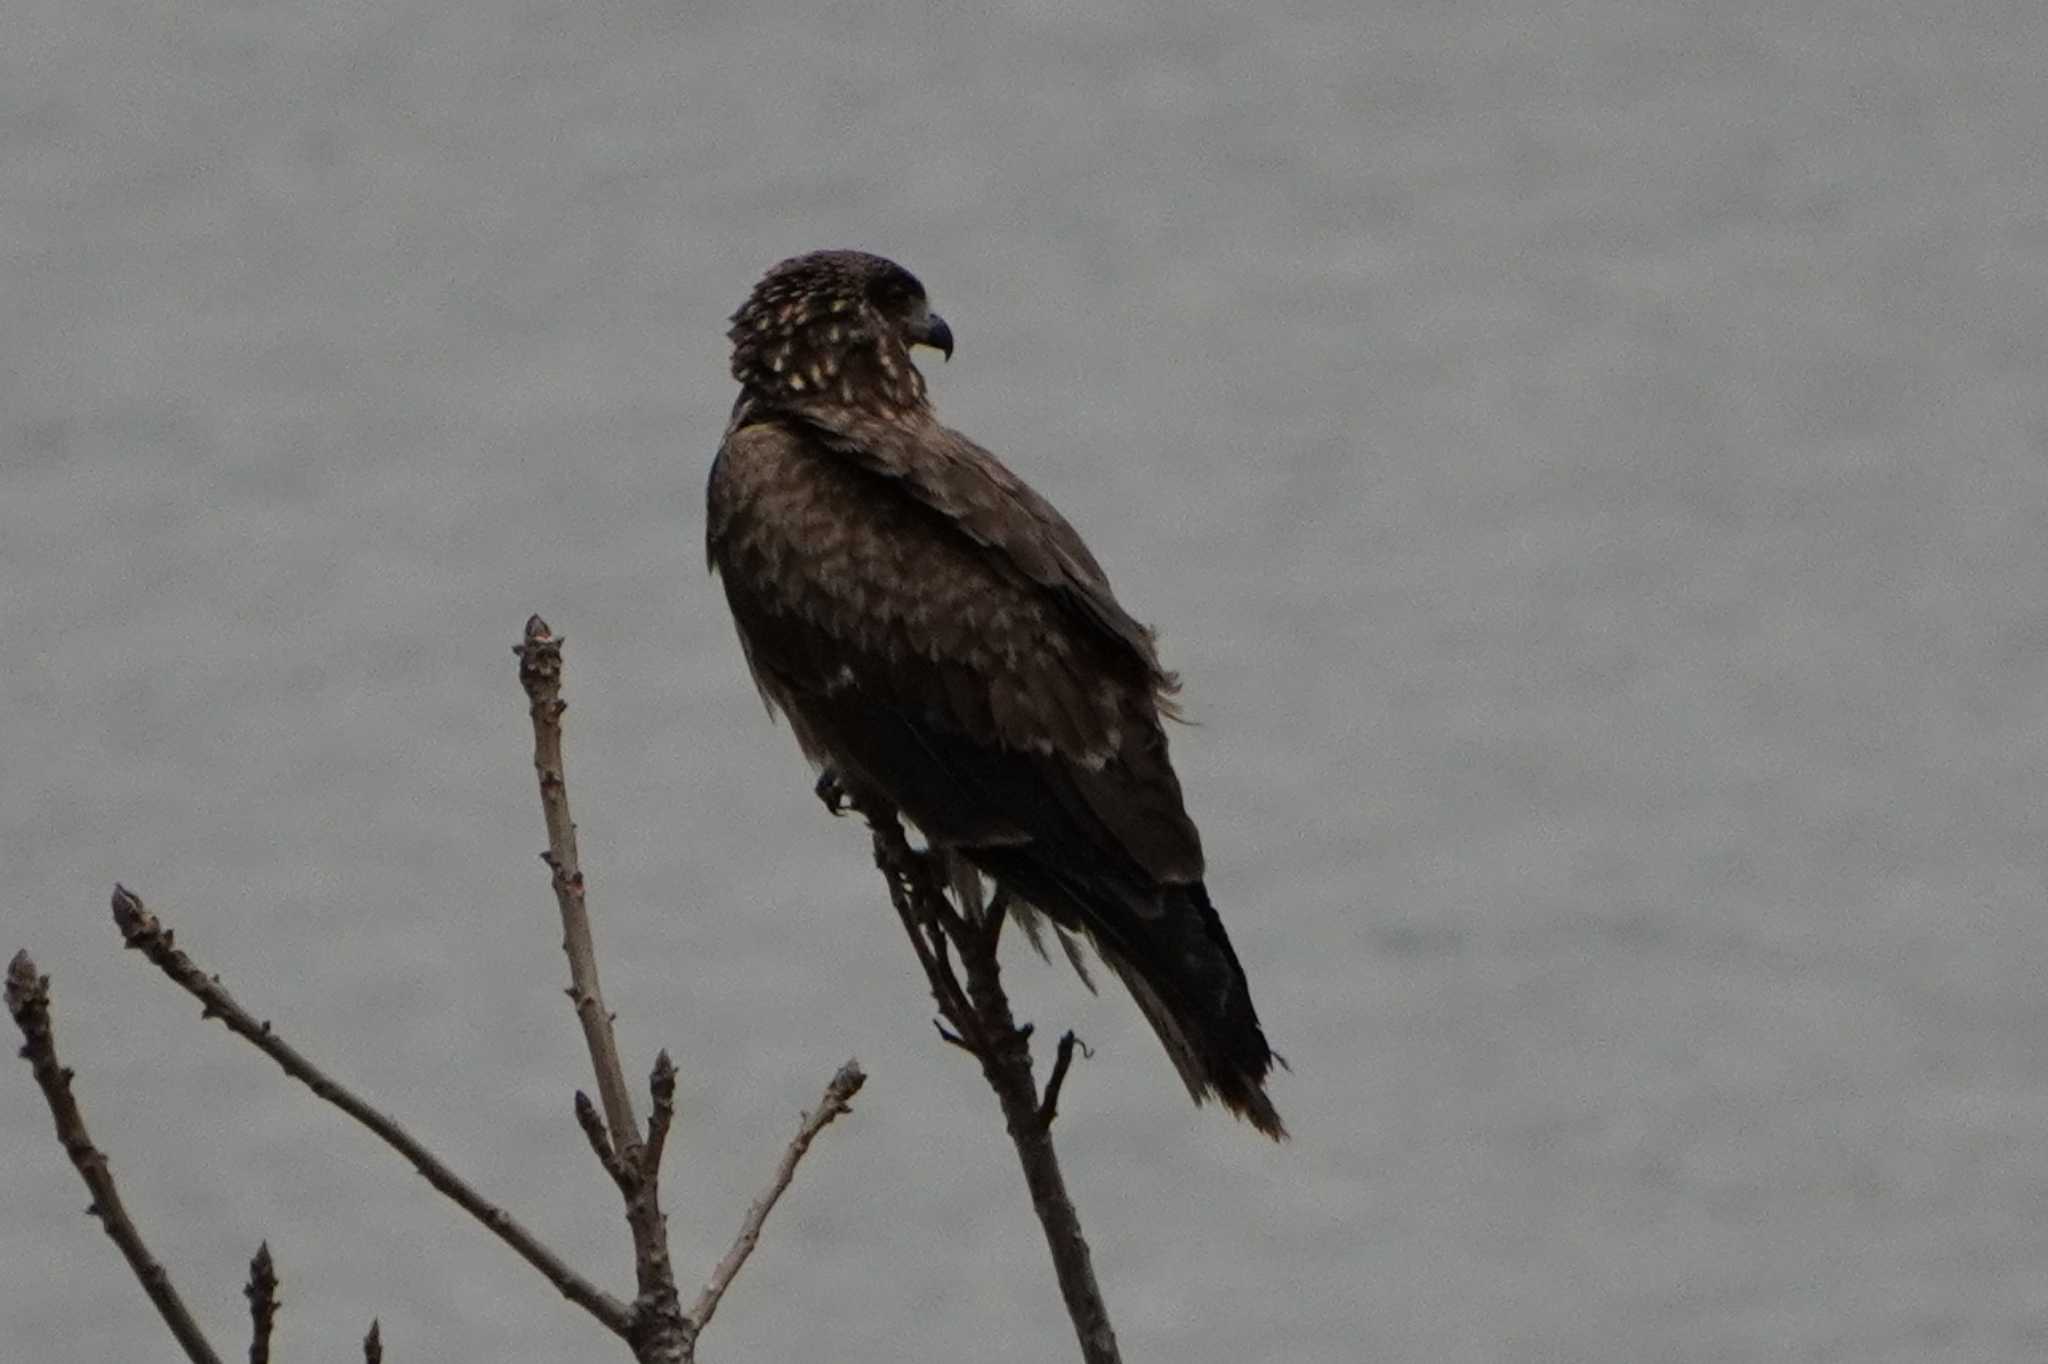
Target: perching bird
[{"x": 944, "y": 644}]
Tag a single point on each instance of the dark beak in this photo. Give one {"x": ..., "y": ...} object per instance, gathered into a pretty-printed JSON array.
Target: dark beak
[{"x": 936, "y": 334}]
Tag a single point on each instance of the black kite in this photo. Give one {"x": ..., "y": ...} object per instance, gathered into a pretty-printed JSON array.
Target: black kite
[{"x": 945, "y": 645}]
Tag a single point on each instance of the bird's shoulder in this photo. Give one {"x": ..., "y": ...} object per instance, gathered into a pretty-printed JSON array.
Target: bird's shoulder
[
  {"x": 778, "y": 496},
  {"x": 797, "y": 525},
  {"x": 756, "y": 458},
  {"x": 988, "y": 503},
  {"x": 855, "y": 495}
]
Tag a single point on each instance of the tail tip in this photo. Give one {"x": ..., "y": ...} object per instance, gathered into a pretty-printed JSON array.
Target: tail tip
[{"x": 1247, "y": 1099}]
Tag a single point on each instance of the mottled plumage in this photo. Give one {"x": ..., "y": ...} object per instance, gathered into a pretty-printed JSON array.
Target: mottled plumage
[{"x": 940, "y": 637}]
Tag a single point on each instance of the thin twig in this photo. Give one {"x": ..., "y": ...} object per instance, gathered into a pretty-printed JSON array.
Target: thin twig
[
  {"x": 601, "y": 1143},
  {"x": 661, "y": 1088},
  {"x": 373, "y": 1344},
  {"x": 659, "y": 1329},
  {"x": 836, "y": 1100},
  {"x": 1049, "y": 1105},
  {"x": 540, "y": 673},
  {"x": 261, "y": 1291},
  {"x": 28, "y": 999},
  {"x": 983, "y": 1024},
  {"x": 1007, "y": 1067},
  {"x": 143, "y": 932}
]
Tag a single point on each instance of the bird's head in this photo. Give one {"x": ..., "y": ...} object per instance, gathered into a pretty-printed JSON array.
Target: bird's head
[{"x": 836, "y": 328}]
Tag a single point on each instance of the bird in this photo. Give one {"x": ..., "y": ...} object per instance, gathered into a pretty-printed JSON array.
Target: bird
[{"x": 945, "y": 647}]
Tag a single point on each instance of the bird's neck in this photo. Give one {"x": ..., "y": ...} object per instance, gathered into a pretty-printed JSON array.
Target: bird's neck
[{"x": 867, "y": 424}]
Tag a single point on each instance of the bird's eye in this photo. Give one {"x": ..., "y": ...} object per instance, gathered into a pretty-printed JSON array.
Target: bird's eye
[{"x": 896, "y": 291}]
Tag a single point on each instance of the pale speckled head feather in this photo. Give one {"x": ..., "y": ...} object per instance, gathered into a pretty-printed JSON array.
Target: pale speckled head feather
[{"x": 833, "y": 329}]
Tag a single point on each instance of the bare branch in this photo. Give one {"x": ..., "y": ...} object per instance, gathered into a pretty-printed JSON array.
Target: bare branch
[
  {"x": 1007, "y": 1067},
  {"x": 899, "y": 867},
  {"x": 837, "y": 1099},
  {"x": 601, "y": 1143},
  {"x": 661, "y": 1087},
  {"x": 261, "y": 1291},
  {"x": 28, "y": 999},
  {"x": 658, "y": 1328},
  {"x": 373, "y": 1344},
  {"x": 1049, "y": 1105},
  {"x": 540, "y": 673},
  {"x": 983, "y": 1025},
  {"x": 143, "y": 932}
]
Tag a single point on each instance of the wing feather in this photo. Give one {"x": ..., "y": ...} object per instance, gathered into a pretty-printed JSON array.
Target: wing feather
[
  {"x": 991, "y": 506},
  {"x": 870, "y": 616}
]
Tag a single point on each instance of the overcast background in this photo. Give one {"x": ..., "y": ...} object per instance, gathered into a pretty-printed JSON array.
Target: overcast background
[{"x": 1589, "y": 460}]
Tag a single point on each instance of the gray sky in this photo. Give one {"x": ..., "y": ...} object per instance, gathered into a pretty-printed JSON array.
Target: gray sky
[{"x": 1588, "y": 461}]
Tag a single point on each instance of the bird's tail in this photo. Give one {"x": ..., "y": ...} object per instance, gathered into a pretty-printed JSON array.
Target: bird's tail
[{"x": 1167, "y": 944}]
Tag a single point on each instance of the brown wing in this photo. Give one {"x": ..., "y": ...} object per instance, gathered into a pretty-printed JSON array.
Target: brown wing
[
  {"x": 939, "y": 636},
  {"x": 933, "y": 664},
  {"x": 991, "y": 506}
]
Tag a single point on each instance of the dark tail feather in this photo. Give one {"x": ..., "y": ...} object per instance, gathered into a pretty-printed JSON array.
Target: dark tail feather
[
  {"x": 1205, "y": 1020},
  {"x": 1168, "y": 946}
]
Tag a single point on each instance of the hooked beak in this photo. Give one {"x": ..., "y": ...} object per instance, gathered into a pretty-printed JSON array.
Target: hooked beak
[{"x": 936, "y": 334}]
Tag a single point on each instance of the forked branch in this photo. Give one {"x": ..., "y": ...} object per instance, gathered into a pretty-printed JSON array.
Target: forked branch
[
  {"x": 982, "y": 1024},
  {"x": 654, "y": 1324},
  {"x": 146, "y": 934},
  {"x": 660, "y": 1329}
]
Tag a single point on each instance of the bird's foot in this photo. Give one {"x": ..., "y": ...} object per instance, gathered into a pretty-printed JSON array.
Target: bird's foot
[{"x": 833, "y": 793}]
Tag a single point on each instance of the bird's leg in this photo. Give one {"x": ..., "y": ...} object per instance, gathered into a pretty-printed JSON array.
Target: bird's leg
[
  {"x": 920, "y": 902},
  {"x": 893, "y": 851},
  {"x": 998, "y": 911},
  {"x": 928, "y": 872},
  {"x": 841, "y": 797}
]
